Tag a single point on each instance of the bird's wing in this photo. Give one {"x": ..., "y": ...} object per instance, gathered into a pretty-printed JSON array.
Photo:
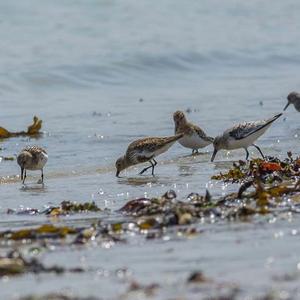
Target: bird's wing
[
  {"x": 144, "y": 149},
  {"x": 245, "y": 129},
  {"x": 34, "y": 149},
  {"x": 202, "y": 134}
]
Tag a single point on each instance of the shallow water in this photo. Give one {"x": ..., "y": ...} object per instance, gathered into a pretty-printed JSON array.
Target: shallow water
[{"x": 83, "y": 66}]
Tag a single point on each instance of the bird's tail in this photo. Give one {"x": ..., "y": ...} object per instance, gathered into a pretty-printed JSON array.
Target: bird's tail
[
  {"x": 178, "y": 136},
  {"x": 273, "y": 118},
  {"x": 265, "y": 124},
  {"x": 175, "y": 137},
  {"x": 210, "y": 139}
]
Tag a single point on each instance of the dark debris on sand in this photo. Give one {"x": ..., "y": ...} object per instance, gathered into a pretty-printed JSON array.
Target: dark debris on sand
[
  {"x": 266, "y": 188},
  {"x": 14, "y": 263},
  {"x": 260, "y": 193}
]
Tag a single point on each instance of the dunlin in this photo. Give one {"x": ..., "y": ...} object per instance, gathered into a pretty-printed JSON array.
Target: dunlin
[
  {"x": 242, "y": 136},
  {"x": 144, "y": 150},
  {"x": 194, "y": 137},
  {"x": 293, "y": 98},
  {"x": 32, "y": 158}
]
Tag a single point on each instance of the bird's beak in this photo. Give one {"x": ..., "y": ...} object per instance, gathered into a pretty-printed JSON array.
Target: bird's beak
[
  {"x": 117, "y": 174},
  {"x": 22, "y": 171},
  {"x": 286, "y": 106},
  {"x": 214, "y": 155}
]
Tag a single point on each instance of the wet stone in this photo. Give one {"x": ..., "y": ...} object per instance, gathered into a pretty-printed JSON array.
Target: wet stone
[{"x": 170, "y": 195}]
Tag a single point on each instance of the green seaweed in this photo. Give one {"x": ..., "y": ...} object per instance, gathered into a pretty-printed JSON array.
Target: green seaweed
[
  {"x": 65, "y": 208},
  {"x": 68, "y": 207},
  {"x": 44, "y": 231}
]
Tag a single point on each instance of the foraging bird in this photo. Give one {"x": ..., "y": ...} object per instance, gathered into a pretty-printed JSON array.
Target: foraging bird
[
  {"x": 242, "y": 135},
  {"x": 293, "y": 98},
  {"x": 32, "y": 158},
  {"x": 194, "y": 137},
  {"x": 144, "y": 150}
]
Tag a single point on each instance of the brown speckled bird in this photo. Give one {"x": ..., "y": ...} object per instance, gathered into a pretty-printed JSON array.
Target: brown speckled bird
[
  {"x": 144, "y": 150},
  {"x": 32, "y": 158},
  {"x": 194, "y": 137}
]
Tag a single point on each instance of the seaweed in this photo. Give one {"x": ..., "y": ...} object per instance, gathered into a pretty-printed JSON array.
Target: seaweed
[
  {"x": 271, "y": 170},
  {"x": 47, "y": 234},
  {"x": 68, "y": 207},
  {"x": 148, "y": 290},
  {"x": 65, "y": 208},
  {"x": 41, "y": 232},
  {"x": 6, "y": 158},
  {"x": 158, "y": 216},
  {"x": 14, "y": 263},
  {"x": 151, "y": 217},
  {"x": 57, "y": 296},
  {"x": 32, "y": 130}
]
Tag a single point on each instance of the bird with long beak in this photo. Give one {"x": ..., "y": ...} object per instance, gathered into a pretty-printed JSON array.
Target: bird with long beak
[
  {"x": 242, "y": 135},
  {"x": 293, "y": 98},
  {"x": 32, "y": 158},
  {"x": 144, "y": 150}
]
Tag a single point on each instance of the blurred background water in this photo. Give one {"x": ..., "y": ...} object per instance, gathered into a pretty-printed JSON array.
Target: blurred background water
[{"x": 103, "y": 73}]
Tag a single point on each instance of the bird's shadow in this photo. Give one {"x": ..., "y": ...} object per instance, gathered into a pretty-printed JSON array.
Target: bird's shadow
[
  {"x": 191, "y": 155},
  {"x": 224, "y": 164},
  {"x": 33, "y": 187},
  {"x": 138, "y": 180}
]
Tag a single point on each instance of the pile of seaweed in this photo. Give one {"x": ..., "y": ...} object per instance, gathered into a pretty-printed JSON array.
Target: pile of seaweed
[
  {"x": 269, "y": 171},
  {"x": 14, "y": 263},
  {"x": 265, "y": 188},
  {"x": 32, "y": 130}
]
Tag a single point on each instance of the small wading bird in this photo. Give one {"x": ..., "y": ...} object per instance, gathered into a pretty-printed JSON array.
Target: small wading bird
[
  {"x": 293, "y": 98},
  {"x": 194, "y": 137},
  {"x": 32, "y": 158},
  {"x": 144, "y": 150},
  {"x": 242, "y": 136}
]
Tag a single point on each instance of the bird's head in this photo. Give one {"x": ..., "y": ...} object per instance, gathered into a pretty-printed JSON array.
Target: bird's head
[
  {"x": 218, "y": 145},
  {"x": 292, "y": 99},
  {"x": 120, "y": 165},
  {"x": 24, "y": 159},
  {"x": 179, "y": 117}
]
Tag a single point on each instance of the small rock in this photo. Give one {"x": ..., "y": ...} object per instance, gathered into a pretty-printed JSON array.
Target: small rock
[
  {"x": 197, "y": 277},
  {"x": 170, "y": 195}
]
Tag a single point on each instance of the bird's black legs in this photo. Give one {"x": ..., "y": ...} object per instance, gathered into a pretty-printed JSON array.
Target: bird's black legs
[
  {"x": 153, "y": 164},
  {"x": 24, "y": 177},
  {"x": 147, "y": 168},
  {"x": 259, "y": 150},
  {"x": 194, "y": 151},
  {"x": 42, "y": 176},
  {"x": 247, "y": 153}
]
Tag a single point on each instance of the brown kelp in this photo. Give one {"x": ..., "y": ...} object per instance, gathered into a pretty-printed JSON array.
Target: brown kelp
[
  {"x": 57, "y": 296},
  {"x": 65, "y": 208},
  {"x": 14, "y": 263},
  {"x": 260, "y": 193},
  {"x": 32, "y": 130},
  {"x": 269, "y": 171}
]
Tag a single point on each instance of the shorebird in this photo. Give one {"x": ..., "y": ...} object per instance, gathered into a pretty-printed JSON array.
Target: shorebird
[
  {"x": 144, "y": 150},
  {"x": 194, "y": 137},
  {"x": 242, "y": 135},
  {"x": 32, "y": 158},
  {"x": 293, "y": 98}
]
